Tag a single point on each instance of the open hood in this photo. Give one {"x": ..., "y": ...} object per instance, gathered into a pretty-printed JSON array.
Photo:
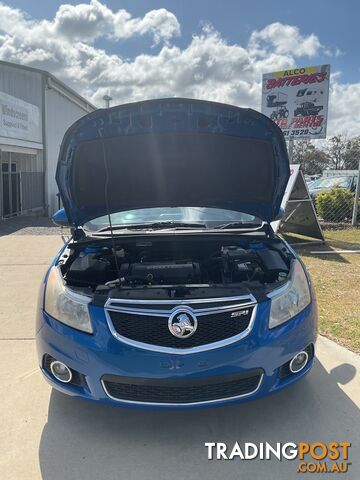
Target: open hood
[{"x": 172, "y": 153}]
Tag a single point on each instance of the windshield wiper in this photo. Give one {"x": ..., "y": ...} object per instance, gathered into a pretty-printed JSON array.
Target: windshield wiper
[
  {"x": 155, "y": 225},
  {"x": 245, "y": 225}
]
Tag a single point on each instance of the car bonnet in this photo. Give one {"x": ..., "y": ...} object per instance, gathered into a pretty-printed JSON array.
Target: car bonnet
[{"x": 172, "y": 153}]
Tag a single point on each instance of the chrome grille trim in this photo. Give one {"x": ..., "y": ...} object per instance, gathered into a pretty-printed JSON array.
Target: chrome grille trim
[
  {"x": 174, "y": 301},
  {"x": 167, "y": 313},
  {"x": 115, "y": 305}
]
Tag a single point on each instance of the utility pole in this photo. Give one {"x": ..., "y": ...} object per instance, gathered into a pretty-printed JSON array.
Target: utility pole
[
  {"x": 291, "y": 149},
  {"x": 356, "y": 199},
  {"x": 107, "y": 99}
]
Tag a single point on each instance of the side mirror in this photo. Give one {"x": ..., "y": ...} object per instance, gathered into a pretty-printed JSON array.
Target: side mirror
[
  {"x": 60, "y": 218},
  {"x": 280, "y": 214}
]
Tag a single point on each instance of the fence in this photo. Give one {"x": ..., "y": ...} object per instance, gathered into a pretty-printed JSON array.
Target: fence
[
  {"x": 32, "y": 190},
  {"x": 337, "y": 206}
]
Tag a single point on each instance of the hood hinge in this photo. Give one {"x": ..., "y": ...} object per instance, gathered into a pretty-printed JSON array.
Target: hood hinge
[
  {"x": 268, "y": 230},
  {"x": 78, "y": 234}
]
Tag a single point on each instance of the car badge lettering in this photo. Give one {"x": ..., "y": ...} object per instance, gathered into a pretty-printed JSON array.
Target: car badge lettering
[{"x": 239, "y": 313}]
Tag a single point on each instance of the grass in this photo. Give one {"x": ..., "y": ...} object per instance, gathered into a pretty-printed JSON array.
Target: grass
[{"x": 336, "y": 279}]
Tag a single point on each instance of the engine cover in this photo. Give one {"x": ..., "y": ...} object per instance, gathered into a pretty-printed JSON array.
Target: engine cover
[{"x": 161, "y": 272}]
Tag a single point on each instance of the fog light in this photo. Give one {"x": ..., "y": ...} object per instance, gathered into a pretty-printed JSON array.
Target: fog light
[
  {"x": 298, "y": 362},
  {"x": 60, "y": 371}
]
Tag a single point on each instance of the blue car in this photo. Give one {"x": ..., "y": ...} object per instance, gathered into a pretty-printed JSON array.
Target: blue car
[{"x": 174, "y": 291}]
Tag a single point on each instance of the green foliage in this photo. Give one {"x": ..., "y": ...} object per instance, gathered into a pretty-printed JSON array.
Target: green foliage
[
  {"x": 335, "y": 205},
  {"x": 313, "y": 160},
  {"x": 352, "y": 154},
  {"x": 336, "y": 147},
  {"x": 338, "y": 153}
]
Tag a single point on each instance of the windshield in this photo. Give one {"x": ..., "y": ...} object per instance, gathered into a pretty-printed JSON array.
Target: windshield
[
  {"x": 211, "y": 217},
  {"x": 330, "y": 182}
]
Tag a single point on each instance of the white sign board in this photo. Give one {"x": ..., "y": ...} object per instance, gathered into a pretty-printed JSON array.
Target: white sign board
[
  {"x": 297, "y": 101},
  {"x": 18, "y": 119}
]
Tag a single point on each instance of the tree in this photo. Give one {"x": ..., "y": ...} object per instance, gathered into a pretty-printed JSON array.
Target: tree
[
  {"x": 336, "y": 148},
  {"x": 352, "y": 154},
  {"x": 313, "y": 160},
  {"x": 339, "y": 153},
  {"x": 301, "y": 147}
]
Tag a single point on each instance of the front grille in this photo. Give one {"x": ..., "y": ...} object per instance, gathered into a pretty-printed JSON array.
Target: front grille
[
  {"x": 145, "y": 390},
  {"x": 154, "y": 330}
]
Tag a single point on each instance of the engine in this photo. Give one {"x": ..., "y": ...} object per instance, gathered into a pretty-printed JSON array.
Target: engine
[
  {"x": 175, "y": 264},
  {"x": 161, "y": 272}
]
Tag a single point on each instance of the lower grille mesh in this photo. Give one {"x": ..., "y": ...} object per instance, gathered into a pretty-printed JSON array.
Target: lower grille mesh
[{"x": 177, "y": 391}]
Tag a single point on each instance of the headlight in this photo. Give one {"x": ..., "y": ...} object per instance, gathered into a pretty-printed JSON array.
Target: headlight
[
  {"x": 292, "y": 298},
  {"x": 66, "y": 306}
]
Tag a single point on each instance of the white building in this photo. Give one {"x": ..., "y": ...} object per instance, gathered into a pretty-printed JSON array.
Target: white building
[{"x": 35, "y": 111}]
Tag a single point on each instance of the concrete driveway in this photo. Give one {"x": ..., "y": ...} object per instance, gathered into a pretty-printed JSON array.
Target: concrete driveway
[{"x": 47, "y": 435}]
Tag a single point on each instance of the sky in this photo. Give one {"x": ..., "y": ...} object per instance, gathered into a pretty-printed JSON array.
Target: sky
[{"x": 215, "y": 50}]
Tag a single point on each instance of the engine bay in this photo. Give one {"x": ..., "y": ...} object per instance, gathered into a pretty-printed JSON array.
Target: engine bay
[{"x": 171, "y": 262}]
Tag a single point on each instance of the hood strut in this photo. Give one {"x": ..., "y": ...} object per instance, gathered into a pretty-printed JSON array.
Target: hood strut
[{"x": 106, "y": 188}]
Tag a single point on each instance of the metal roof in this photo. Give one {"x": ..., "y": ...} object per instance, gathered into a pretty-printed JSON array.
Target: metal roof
[{"x": 68, "y": 91}]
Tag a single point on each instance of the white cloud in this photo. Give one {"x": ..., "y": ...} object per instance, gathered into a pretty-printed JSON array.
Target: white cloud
[
  {"x": 87, "y": 22},
  {"x": 344, "y": 111},
  {"x": 208, "y": 67},
  {"x": 84, "y": 22},
  {"x": 283, "y": 40},
  {"x": 161, "y": 23}
]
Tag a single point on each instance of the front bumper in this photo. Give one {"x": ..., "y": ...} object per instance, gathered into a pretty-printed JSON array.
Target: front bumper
[{"x": 100, "y": 354}]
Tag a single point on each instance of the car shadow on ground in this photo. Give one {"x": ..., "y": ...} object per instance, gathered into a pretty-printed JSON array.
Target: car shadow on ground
[{"x": 84, "y": 440}]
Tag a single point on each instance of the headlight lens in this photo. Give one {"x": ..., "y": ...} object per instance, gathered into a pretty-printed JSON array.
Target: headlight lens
[
  {"x": 66, "y": 306},
  {"x": 293, "y": 299}
]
